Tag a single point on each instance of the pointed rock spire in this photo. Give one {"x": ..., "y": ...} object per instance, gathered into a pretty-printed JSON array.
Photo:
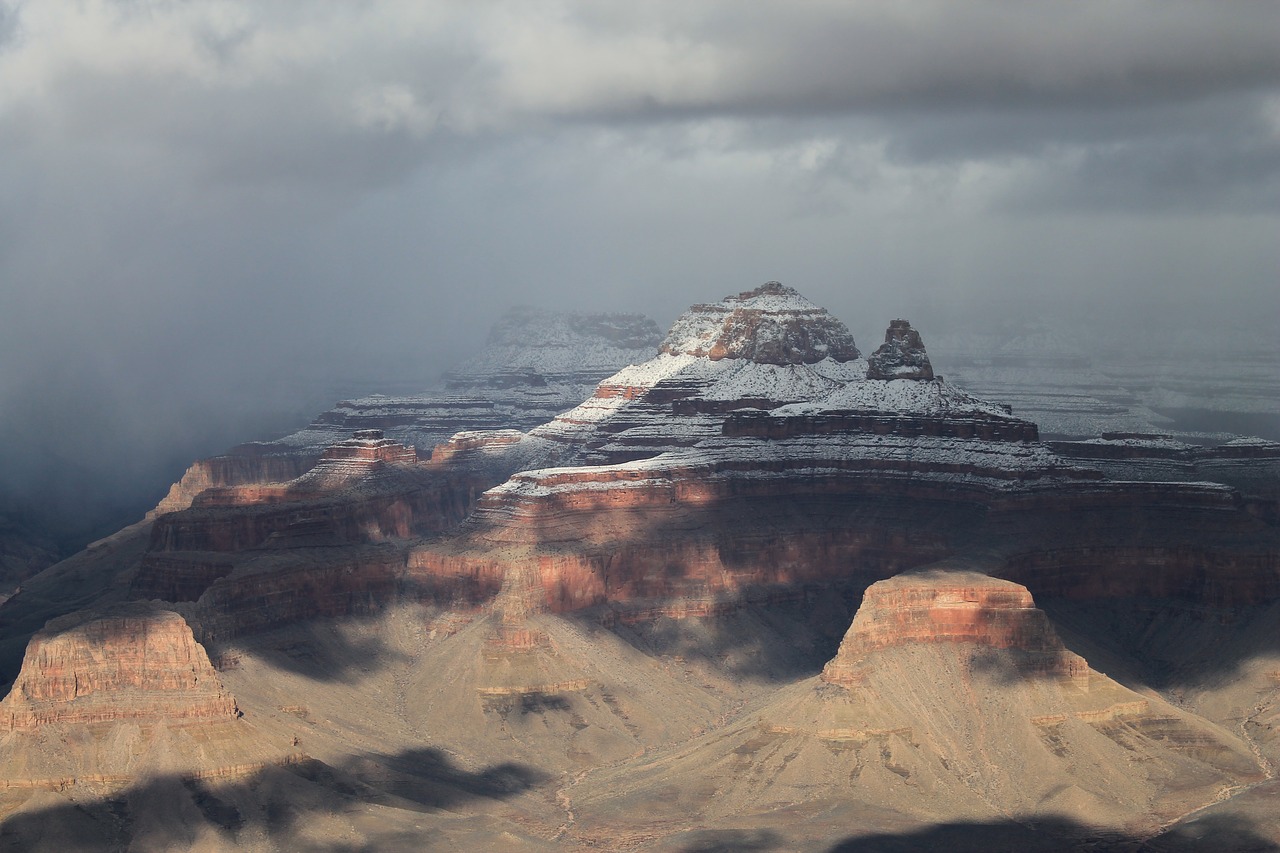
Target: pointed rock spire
[{"x": 901, "y": 356}]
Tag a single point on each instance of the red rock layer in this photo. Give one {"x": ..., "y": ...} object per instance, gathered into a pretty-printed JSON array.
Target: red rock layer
[
  {"x": 941, "y": 606},
  {"x": 688, "y": 559},
  {"x": 133, "y": 661},
  {"x": 232, "y": 470},
  {"x": 472, "y": 443},
  {"x": 178, "y": 576},
  {"x": 238, "y": 528},
  {"x": 418, "y": 503},
  {"x": 771, "y": 324},
  {"x": 280, "y": 589}
]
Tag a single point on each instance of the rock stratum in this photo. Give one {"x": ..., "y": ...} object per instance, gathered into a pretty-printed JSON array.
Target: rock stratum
[
  {"x": 954, "y": 607},
  {"x": 134, "y": 661},
  {"x": 734, "y": 587}
]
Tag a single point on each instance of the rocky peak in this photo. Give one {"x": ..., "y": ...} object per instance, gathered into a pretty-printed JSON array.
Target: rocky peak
[
  {"x": 772, "y": 324},
  {"x": 901, "y": 356}
]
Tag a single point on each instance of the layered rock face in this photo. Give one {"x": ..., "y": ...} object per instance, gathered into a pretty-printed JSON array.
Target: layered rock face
[
  {"x": 901, "y": 356},
  {"x": 1251, "y": 465},
  {"x": 961, "y": 607},
  {"x": 740, "y": 416},
  {"x": 365, "y": 488},
  {"x": 128, "y": 662},
  {"x": 231, "y": 470}
]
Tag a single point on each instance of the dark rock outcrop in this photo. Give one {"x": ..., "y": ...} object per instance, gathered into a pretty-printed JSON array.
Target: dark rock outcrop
[{"x": 901, "y": 356}]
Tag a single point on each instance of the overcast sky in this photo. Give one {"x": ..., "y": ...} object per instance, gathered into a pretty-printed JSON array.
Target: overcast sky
[{"x": 205, "y": 201}]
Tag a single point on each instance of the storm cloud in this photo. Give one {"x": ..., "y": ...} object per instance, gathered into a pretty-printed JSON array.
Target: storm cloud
[{"x": 212, "y": 211}]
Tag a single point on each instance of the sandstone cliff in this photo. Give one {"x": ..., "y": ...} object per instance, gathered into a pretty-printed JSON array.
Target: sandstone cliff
[
  {"x": 129, "y": 661},
  {"x": 941, "y": 606}
]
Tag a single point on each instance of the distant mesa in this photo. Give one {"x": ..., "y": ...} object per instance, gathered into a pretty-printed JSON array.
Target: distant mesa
[
  {"x": 901, "y": 356},
  {"x": 772, "y": 324},
  {"x": 956, "y": 607}
]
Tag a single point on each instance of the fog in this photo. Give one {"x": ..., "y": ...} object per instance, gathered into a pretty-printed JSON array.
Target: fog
[{"x": 216, "y": 217}]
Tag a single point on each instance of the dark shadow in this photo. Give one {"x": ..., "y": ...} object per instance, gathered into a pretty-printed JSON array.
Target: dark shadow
[
  {"x": 282, "y": 802},
  {"x": 427, "y": 777},
  {"x": 1167, "y": 644},
  {"x": 732, "y": 841},
  {"x": 1060, "y": 835},
  {"x": 328, "y": 651},
  {"x": 755, "y": 640}
]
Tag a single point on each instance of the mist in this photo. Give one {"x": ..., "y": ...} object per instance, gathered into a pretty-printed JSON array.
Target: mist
[{"x": 218, "y": 218}]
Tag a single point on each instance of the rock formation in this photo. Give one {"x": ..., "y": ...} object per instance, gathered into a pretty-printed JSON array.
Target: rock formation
[
  {"x": 132, "y": 661},
  {"x": 951, "y": 695},
  {"x": 933, "y": 606},
  {"x": 901, "y": 356},
  {"x": 724, "y": 476},
  {"x": 772, "y": 324}
]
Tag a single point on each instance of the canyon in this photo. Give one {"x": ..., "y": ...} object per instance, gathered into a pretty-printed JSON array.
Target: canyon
[{"x": 737, "y": 587}]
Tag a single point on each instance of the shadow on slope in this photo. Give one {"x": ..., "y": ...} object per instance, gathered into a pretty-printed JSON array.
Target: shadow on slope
[
  {"x": 366, "y": 802},
  {"x": 776, "y": 643},
  {"x": 733, "y": 841},
  {"x": 1059, "y": 835},
  {"x": 1167, "y": 644},
  {"x": 328, "y": 650}
]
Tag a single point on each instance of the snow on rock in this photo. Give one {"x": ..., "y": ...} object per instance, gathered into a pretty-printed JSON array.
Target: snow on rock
[
  {"x": 783, "y": 383},
  {"x": 899, "y": 396},
  {"x": 772, "y": 324}
]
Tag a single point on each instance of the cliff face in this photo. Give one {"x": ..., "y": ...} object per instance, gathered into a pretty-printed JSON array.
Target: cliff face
[
  {"x": 136, "y": 661},
  {"x": 953, "y": 607},
  {"x": 230, "y": 470},
  {"x": 713, "y": 463},
  {"x": 366, "y": 488},
  {"x": 745, "y": 460}
]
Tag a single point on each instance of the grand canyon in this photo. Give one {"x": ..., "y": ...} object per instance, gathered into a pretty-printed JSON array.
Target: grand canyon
[{"x": 743, "y": 586}]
